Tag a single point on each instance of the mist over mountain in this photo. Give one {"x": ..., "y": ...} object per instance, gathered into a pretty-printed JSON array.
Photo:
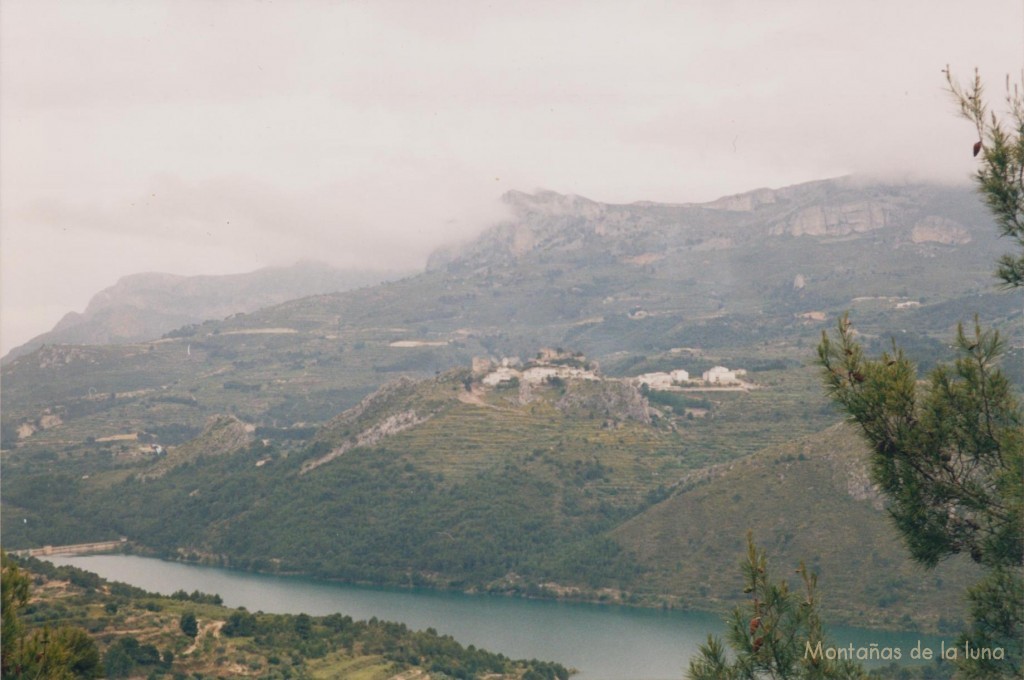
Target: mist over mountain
[
  {"x": 145, "y": 306},
  {"x": 645, "y": 232}
]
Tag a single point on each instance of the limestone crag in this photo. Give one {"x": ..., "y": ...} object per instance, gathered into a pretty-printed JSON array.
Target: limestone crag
[
  {"x": 935, "y": 229},
  {"x": 746, "y": 202},
  {"x": 612, "y": 399},
  {"x": 544, "y": 223},
  {"x": 391, "y": 425},
  {"x": 834, "y": 220}
]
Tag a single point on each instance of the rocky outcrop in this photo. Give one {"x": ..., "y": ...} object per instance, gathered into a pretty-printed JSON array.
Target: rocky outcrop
[
  {"x": 392, "y": 425},
  {"x": 613, "y": 400},
  {"x": 852, "y": 476},
  {"x": 746, "y": 202},
  {"x": 391, "y": 409},
  {"x": 380, "y": 400},
  {"x": 545, "y": 223},
  {"x": 939, "y": 230},
  {"x": 834, "y": 220},
  {"x": 44, "y": 422},
  {"x": 552, "y": 204}
]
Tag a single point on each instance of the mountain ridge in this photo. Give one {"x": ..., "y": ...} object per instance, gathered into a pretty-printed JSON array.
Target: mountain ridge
[
  {"x": 826, "y": 208},
  {"x": 145, "y": 305}
]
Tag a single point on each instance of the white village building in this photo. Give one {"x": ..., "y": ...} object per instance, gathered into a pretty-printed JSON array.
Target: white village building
[
  {"x": 500, "y": 375},
  {"x": 662, "y": 380},
  {"x": 719, "y": 375},
  {"x": 536, "y": 375}
]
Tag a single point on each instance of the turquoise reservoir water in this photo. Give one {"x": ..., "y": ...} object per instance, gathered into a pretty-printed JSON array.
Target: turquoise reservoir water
[{"x": 602, "y": 642}]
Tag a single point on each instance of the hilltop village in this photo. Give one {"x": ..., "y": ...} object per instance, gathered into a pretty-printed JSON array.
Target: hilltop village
[{"x": 554, "y": 365}]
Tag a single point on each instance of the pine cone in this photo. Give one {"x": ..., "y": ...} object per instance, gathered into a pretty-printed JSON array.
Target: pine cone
[{"x": 755, "y": 623}]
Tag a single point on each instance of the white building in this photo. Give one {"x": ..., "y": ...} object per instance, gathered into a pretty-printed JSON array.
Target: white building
[
  {"x": 662, "y": 380},
  {"x": 500, "y": 375},
  {"x": 655, "y": 381},
  {"x": 536, "y": 375},
  {"x": 719, "y": 375},
  {"x": 679, "y": 375}
]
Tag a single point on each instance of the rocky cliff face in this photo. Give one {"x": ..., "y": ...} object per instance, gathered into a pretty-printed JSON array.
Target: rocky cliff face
[
  {"x": 934, "y": 229},
  {"x": 612, "y": 400},
  {"x": 745, "y": 202},
  {"x": 546, "y": 221},
  {"x": 835, "y": 220}
]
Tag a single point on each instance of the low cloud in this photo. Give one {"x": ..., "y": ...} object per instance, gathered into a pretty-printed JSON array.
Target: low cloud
[{"x": 199, "y": 137}]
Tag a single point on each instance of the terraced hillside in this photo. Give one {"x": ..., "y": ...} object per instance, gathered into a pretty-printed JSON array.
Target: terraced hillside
[{"x": 428, "y": 481}]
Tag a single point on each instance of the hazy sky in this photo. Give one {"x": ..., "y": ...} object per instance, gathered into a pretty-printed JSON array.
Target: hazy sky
[{"x": 222, "y": 136}]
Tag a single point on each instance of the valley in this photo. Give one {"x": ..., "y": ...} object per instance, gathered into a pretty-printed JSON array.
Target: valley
[{"x": 514, "y": 420}]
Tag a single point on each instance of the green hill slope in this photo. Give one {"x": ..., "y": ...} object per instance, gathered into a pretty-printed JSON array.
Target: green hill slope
[
  {"x": 808, "y": 501},
  {"x": 424, "y": 482}
]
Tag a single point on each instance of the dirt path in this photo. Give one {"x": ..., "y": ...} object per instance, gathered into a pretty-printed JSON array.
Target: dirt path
[
  {"x": 414, "y": 674},
  {"x": 211, "y": 628}
]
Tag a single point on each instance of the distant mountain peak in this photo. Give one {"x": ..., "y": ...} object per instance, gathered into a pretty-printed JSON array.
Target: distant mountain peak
[
  {"x": 844, "y": 207},
  {"x": 146, "y": 305},
  {"x": 546, "y": 202}
]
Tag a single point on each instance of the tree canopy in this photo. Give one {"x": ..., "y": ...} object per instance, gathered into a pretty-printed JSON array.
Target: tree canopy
[
  {"x": 778, "y": 634},
  {"x": 948, "y": 452},
  {"x": 1000, "y": 174},
  {"x": 61, "y": 654}
]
